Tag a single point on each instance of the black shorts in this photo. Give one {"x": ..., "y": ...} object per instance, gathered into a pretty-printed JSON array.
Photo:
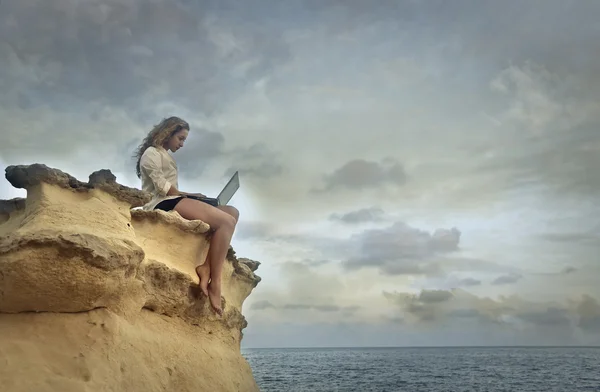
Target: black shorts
[{"x": 169, "y": 204}]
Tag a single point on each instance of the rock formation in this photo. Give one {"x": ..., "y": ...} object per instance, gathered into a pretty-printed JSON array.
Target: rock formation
[{"x": 96, "y": 295}]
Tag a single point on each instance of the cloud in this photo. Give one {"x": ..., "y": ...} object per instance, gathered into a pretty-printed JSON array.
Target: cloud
[
  {"x": 362, "y": 174},
  {"x": 364, "y": 215},
  {"x": 470, "y": 282},
  {"x": 507, "y": 279},
  {"x": 464, "y": 313},
  {"x": 550, "y": 316},
  {"x": 591, "y": 238},
  {"x": 588, "y": 310},
  {"x": 532, "y": 107},
  {"x": 262, "y": 305},
  {"x": 316, "y": 293},
  {"x": 434, "y": 296},
  {"x": 123, "y": 65},
  {"x": 250, "y": 230},
  {"x": 201, "y": 147},
  {"x": 135, "y": 48},
  {"x": 315, "y": 263},
  {"x": 401, "y": 249},
  {"x": 305, "y": 287},
  {"x": 568, "y": 270},
  {"x": 494, "y": 130},
  {"x": 258, "y": 160},
  {"x": 261, "y": 170},
  {"x": 512, "y": 312},
  {"x": 207, "y": 149},
  {"x": 394, "y": 250},
  {"x": 548, "y": 121}
]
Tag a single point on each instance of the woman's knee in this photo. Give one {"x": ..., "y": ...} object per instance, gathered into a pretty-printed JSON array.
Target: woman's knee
[
  {"x": 231, "y": 210},
  {"x": 224, "y": 222},
  {"x": 215, "y": 217}
]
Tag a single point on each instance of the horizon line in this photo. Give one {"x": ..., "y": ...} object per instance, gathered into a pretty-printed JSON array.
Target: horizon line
[{"x": 446, "y": 346}]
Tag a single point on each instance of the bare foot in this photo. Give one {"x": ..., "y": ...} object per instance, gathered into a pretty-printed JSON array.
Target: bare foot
[
  {"x": 203, "y": 272},
  {"x": 214, "y": 294}
]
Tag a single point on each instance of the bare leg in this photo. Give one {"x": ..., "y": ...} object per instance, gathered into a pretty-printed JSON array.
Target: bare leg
[
  {"x": 231, "y": 210},
  {"x": 223, "y": 225},
  {"x": 203, "y": 272},
  {"x": 216, "y": 264},
  {"x": 219, "y": 245}
]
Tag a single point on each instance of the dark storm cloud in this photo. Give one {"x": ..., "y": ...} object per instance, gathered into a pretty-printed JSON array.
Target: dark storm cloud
[
  {"x": 364, "y": 215},
  {"x": 507, "y": 279},
  {"x": 360, "y": 174}
]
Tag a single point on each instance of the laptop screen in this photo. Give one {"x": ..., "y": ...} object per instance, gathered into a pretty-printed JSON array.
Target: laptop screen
[{"x": 229, "y": 190}]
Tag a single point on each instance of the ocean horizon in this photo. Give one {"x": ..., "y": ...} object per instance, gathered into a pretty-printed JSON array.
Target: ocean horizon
[
  {"x": 426, "y": 368},
  {"x": 445, "y": 346}
]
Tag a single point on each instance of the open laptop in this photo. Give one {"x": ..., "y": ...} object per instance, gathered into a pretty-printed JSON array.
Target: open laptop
[{"x": 226, "y": 194}]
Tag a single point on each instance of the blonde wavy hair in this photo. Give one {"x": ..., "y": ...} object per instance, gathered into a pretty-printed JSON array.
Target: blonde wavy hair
[{"x": 157, "y": 137}]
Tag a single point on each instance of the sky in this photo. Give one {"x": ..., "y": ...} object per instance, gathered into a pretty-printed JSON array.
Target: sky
[{"x": 413, "y": 173}]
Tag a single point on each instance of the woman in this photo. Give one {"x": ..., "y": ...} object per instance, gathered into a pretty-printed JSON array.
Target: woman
[{"x": 158, "y": 171}]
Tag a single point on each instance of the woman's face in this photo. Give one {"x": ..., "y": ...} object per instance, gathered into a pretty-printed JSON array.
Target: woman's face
[{"x": 176, "y": 141}]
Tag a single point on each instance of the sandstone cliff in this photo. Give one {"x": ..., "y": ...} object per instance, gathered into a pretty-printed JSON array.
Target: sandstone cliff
[{"x": 97, "y": 296}]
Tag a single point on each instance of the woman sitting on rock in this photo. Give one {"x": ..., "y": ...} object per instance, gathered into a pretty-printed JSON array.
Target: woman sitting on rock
[{"x": 158, "y": 171}]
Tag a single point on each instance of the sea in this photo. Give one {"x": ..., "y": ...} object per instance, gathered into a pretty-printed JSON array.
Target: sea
[{"x": 453, "y": 369}]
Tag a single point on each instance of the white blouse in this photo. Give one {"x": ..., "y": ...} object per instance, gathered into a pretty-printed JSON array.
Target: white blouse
[{"x": 159, "y": 172}]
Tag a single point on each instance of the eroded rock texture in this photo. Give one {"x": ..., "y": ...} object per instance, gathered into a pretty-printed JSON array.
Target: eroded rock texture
[{"x": 95, "y": 296}]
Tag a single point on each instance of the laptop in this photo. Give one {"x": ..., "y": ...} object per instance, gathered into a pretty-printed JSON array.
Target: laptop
[{"x": 226, "y": 194}]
